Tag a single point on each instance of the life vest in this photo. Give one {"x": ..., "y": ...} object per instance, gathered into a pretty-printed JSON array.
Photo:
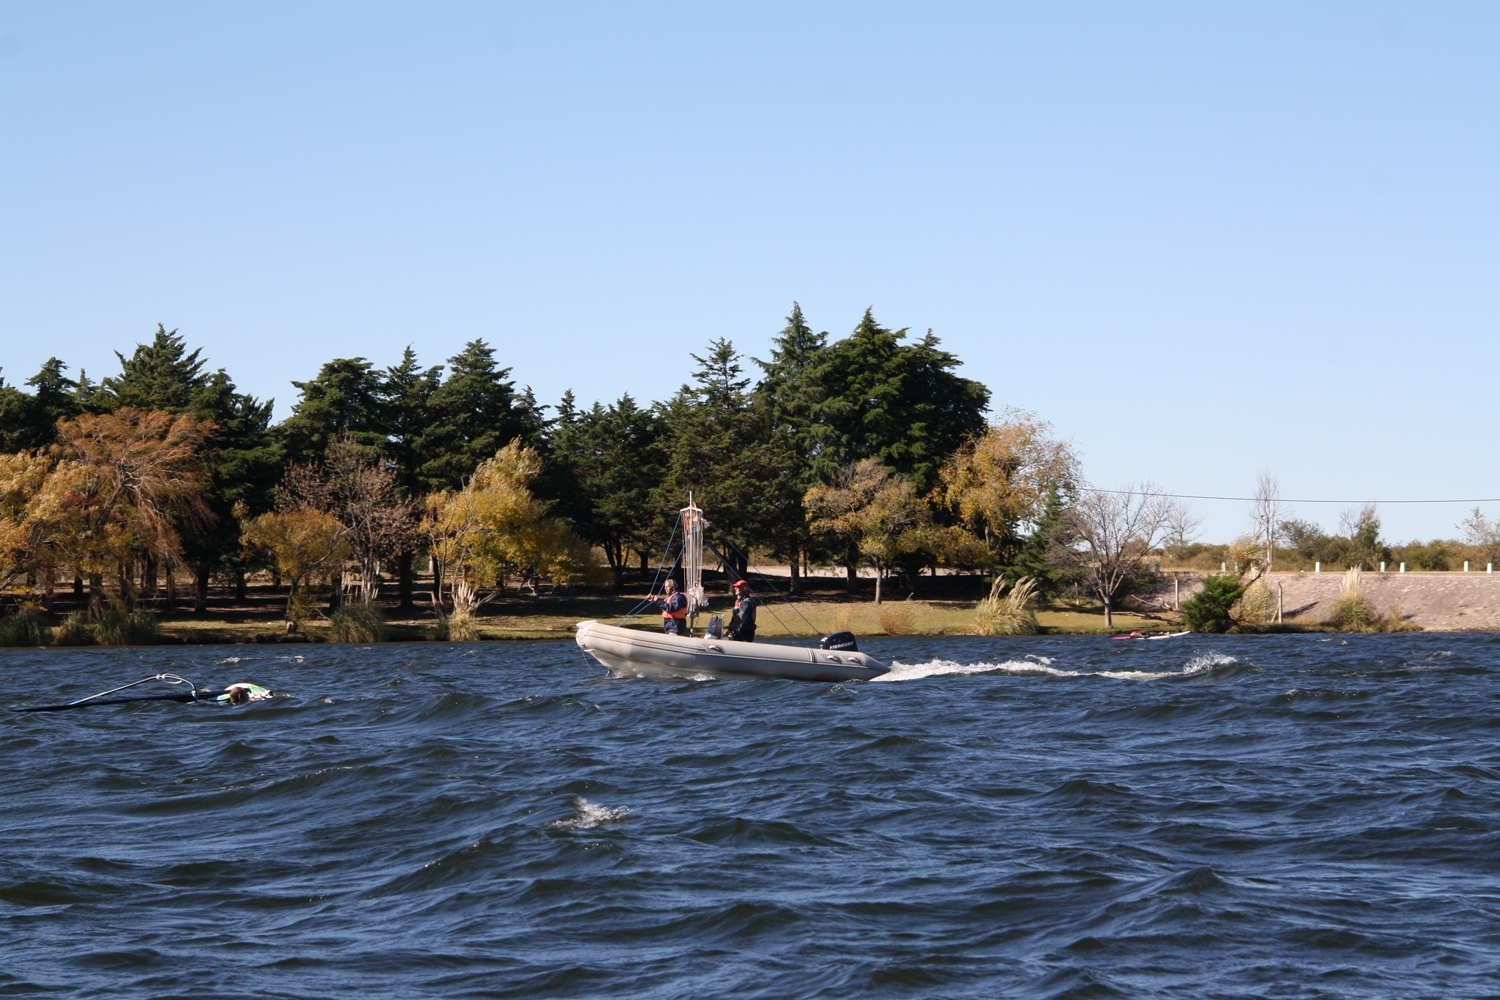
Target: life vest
[{"x": 680, "y": 614}]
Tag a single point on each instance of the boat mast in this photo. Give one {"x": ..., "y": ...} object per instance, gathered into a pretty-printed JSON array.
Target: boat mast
[{"x": 692, "y": 558}]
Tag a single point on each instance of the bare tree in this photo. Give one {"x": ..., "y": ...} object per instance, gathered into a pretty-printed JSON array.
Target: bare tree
[
  {"x": 358, "y": 487},
  {"x": 1266, "y": 510},
  {"x": 1483, "y": 534},
  {"x": 1116, "y": 530},
  {"x": 1182, "y": 527}
]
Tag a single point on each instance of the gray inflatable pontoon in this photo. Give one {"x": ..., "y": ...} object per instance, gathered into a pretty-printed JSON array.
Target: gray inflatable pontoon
[{"x": 628, "y": 652}]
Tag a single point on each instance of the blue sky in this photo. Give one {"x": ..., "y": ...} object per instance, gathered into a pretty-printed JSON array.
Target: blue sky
[{"x": 1203, "y": 239}]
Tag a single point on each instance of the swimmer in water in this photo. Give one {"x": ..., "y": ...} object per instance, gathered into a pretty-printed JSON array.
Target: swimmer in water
[{"x": 241, "y": 694}]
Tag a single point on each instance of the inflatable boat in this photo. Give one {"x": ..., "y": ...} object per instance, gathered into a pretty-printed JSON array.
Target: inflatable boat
[{"x": 628, "y": 652}]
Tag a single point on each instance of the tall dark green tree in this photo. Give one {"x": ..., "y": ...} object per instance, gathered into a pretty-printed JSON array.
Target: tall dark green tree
[
  {"x": 789, "y": 395},
  {"x": 406, "y": 392},
  {"x": 718, "y": 446},
  {"x": 345, "y": 398},
  {"x": 29, "y": 419},
  {"x": 611, "y": 459},
  {"x": 476, "y": 412},
  {"x": 900, "y": 403}
]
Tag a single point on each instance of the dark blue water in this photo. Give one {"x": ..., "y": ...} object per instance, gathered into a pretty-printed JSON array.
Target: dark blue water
[{"x": 1259, "y": 816}]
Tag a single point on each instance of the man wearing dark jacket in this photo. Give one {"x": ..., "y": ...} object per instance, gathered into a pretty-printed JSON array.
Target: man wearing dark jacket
[{"x": 742, "y": 624}]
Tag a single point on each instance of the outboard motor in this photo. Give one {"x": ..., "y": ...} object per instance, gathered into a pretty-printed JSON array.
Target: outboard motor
[{"x": 841, "y": 641}]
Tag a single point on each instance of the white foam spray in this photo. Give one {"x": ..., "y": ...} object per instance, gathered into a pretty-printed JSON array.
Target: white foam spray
[
  {"x": 1041, "y": 666},
  {"x": 589, "y": 815}
]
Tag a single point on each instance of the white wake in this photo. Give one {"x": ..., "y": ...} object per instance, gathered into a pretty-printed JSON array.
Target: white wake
[{"x": 1042, "y": 667}]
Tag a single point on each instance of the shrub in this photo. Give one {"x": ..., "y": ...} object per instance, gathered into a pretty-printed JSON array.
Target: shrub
[
  {"x": 1257, "y": 605},
  {"x": 1208, "y": 610},
  {"x": 76, "y": 630},
  {"x": 457, "y": 627},
  {"x": 1010, "y": 614},
  {"x": 898, "y": 619},
  {"x": 27, "y": 627},
  {"x": 360, "y": 623},
  {"x": 137, "y": 628}
]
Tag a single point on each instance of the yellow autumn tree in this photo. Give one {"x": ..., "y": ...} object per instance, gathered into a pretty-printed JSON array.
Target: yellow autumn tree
[
  {"x": 496, "y": 527},
  {"x": 23, "y": 544},
  {"x": 1000, "y": 480},
  {"x": 306, "y": 543},
  {"x": 877, "y": 513}
]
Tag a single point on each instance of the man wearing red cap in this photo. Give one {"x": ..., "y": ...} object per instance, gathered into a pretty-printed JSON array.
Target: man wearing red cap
[{"x": 742, "y": 624}]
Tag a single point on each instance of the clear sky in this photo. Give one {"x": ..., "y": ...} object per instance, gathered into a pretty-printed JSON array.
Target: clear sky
[{"x": 1204, "y": 239}]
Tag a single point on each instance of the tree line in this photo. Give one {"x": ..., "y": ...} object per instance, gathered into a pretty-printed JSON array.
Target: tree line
[{"x": 868, "y": 450}]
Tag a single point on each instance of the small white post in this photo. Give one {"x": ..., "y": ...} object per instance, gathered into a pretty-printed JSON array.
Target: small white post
[
  {"x": 1466, "y": 565},
  {"x": 1176, "y": 592},
  {"x": 1223, "y": 567},
  {"x": 1382, "y": 565},
  {"x": 1280, "y": 601},
  {"x": 1317, "y": 567},
  {"x": 1489, "y": 567},
  {"x": 1403, "y": 567}
]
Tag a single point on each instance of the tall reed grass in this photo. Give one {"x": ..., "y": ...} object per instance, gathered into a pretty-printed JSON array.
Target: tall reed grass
[{"x": 1007, "y": 614}]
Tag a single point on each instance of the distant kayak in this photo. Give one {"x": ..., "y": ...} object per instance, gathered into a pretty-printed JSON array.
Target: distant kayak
[{"x": 1143, "y": 635}]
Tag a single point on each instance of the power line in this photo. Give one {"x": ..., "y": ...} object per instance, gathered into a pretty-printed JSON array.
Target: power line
[{"x": 1198, "y": 496}]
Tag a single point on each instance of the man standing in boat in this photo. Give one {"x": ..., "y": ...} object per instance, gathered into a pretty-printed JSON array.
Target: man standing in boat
[
  {"x": 674, "y": 609},
  {"x": 742, "y": 624}
]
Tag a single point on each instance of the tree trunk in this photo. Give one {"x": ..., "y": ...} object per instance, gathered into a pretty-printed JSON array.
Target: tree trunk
[
  {"x": 171, "y": 586},
  {"x": 794, "y": 588},
  {"x": 291, "y": 600},
  {"x": 200, "y": 596},
  {"x": 239, "y": 584},
  {"x": 96, "y": 596},
  {"x": 336, "y": 595},
  {"x": 405, "y": 578},
  {"x": 879, "y": 574},
  {"x": 77, "y": 585},
  {"x": 149, "y": 573},
  {"x": 1109, "y": 620}
]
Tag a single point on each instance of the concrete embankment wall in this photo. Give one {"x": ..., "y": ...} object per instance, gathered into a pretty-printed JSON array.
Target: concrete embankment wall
[{"x": 1435, "y": 601}]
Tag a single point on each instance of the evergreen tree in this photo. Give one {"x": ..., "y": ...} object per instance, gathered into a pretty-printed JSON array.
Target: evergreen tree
[
  {"x": 29, "y": 420},
  {"x": 789, "y": 395},
  {"x": 406, "y": 392},
  {"x": 477, "y": 411},
  {"x": 610, "y": 457},
  {"x": 162, "y": 375},
  {"x": 899, "y": 403},
  {"x": 718, "y": 448},
  {"x": 344, "y": 399},
  {"x": 405, "y": 395}
]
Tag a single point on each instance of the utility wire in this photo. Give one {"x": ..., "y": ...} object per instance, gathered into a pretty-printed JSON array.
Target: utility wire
[{"x": 1199, "y": 496}]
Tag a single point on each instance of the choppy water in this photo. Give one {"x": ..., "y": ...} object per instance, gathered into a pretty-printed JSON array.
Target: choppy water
[{"x": 1258, "y": 816}]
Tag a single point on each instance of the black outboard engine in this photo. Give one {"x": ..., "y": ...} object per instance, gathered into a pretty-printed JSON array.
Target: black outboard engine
[{"x": 841, "y": 641}]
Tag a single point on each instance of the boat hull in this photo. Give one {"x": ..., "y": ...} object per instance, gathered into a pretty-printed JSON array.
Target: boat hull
[{"x": 636, "y": 653}]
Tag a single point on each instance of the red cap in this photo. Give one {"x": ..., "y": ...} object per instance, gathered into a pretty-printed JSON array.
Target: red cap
[{"x": 742, "y": 583}]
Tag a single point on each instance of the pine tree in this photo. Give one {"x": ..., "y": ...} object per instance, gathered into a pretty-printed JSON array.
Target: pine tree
[
  {"x": 899, "y": 403},
  {"x": 344, "y": 399},
  {"x": 477, "y": 412},
  {"x": 29, "y": 420},
  {"x": 406, "y": 392}
]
